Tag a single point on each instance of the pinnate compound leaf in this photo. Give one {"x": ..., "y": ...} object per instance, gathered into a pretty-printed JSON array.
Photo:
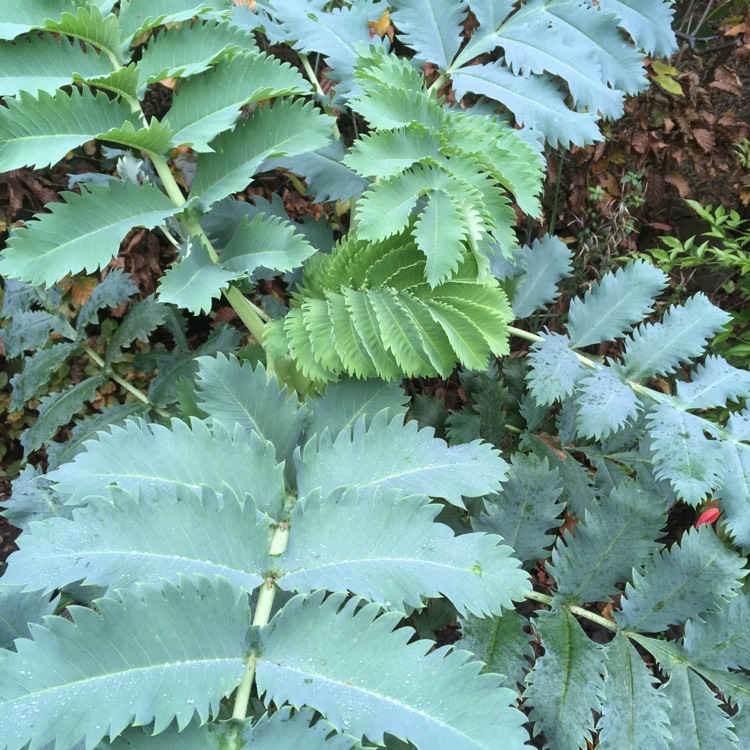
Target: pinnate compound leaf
[
  {"x": 195, "y": 281},
  {"x": 69, "y": 683},
  {"x": 555, "y": 369},
  {"x": 56, "y": 410},
  {"x": 614, "y": 304},
  {"x": 42, "y": 63},
  {"x": 649, "y": 22},
  {"x": 566, "y": 684},
  {"x": 606, "y": 403},
  {"x": 83, "y": 233},
  {"x": 20, "y": 16},
  {"x": 37, "y": 132},
  {"x": 347, "y": 401},
  {"x": 209, "y": 104},
  {"x": 713, "y": 384},
  {"x": 393, "y": 455},
  {"x": 265, "y": 247},
  {"x": 721, "y": 640},
  {"x": 280, "y": 730},
  {"x": 235, "y": 393},
  {"x": 183, "y": 51},
  {"x": 36, "y": 373},
  {"x": 699, "y": 574},
  {"x": 682, "y": 453},
  {"x": 152, "y": 457},
  {"x": 19, "y": 609},
  {"x": 122, "y": 543},
  {"x": 395, "y": 554},
  {"x": 501, "y": 643},
  {"x": 634, "y": 712},
  {"x": 618, "y": 534},
  {"x": 287, "y": 128},
  {"x": 542, "y": 265},
  {"x": 525, "y": 509},
  {"x": 681, "y": 336},
  {"x": 696, "y": 718},
  {"x": 437, "y": 701}
]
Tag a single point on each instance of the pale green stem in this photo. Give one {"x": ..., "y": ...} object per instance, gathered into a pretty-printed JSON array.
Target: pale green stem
[
  {"x": 262, "y": 615},
  {"x": 437, "y": 83},
  {"x": 575, "y": 610},
  {"x": 311, "y": 74}
]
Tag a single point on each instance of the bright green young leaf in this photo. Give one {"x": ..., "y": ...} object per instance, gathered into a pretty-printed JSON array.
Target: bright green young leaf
[
  {"x": 234, "y": 393},
  {"x": 614, "y": 304},
  {"x": 42, "y": 63},
  {"x": 699, "y": 574},
  {"x": 634, "y": 712},
  {"x": 83, "y": 233},
  {"x": 566, "y": 684},
  {"x": 393, "y": 455},
  {"x": 86, "y": 24},
  {"x": 437, "y": 701},
  {"x": 288, "y": 128},
  {"x": 525, "y": 509},
  {"x": 155, "y": 457},
  {"x": 209, "y": 104},
  {"x": 69, "y": 683},
  {"x": 141, "y": 15},
  {"x": 122, "y": 543},
  {"x": 153, "y": 139},
  {"x": 395, "y": 554}
]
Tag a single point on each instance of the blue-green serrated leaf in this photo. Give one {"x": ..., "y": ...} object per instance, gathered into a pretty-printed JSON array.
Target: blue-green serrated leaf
[
  {"x": 393, "y": 455},
  {"x": 32, "y": 499},
  {"x": 42, "y": 63},
  {"x": 140, "y": 15},
  {"x": 542, "y": 265},
  {"x": 473, "y": 571},
  {"x": 649, "y": 22},
  {"x": 113, "y": 291},
  {"x": 431, "y": 27},
  {"x": 606, "y": 403},
  {"x": 280, "y": 730},
  {"x": 525, "y": 509},
  {"x": 151, "y": 457},
  {"x": 195, "y": 281},
  {"x": 83, "y": 233},
  {"x": 721, "y": 640},
  {"x": 699, "y": 574},
  {"x": 616, "y": 303},
  {"x": 69, "y": 683},
  {"x": 734, "y": 492},
  {"x": 36, "y": 373},
  {"x": 20, "y": 16},
  {"x": 86, "y": 428},
  {"x": 265, "y": 247},
  {"x": 681, "y": 336},
  {"x": 235, "y": 393},
  {"x": 347, "y": 401},
  {"x": 437, "y": 701},
  {"x": 327, "y": 178},
  {"x": 535, "y": 102},
  {"x": 30, "y": 329},
  {"x": 288, "y": 128},
  {"x": 618, "y": 535},
  {"x": 143, "y": 317},
  {"x": 86, "y": 24},
  {"x": 209, "y": 104},
  {"x": 634, "y": 712},
  {"x": 739, "y": 424},
  {"x": 555, "y": 369},
  {"x": 682, "y": 453},
  {"x": 18, "y": 610},
  {"x": 40, "y": 131},
  {"x": 184, "y": 50},
  {"x": 56, "y": 410},
  {"x": 177, "y": 365},
  {"x": 713, "y": 384},
  {"x": 502, "y": 643},
  {"x": 695, "y": 717},
  {"x": 566, "y": 684},
  {"x": 120, "y": 543},
  {"x": 741, "y": 726}
]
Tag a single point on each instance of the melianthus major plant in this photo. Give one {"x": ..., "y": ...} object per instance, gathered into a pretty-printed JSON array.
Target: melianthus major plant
[{"x": 242, "y": 559}]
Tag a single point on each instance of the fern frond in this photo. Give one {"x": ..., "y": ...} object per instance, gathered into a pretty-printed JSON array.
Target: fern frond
[{"x": 83, "y": 233}]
